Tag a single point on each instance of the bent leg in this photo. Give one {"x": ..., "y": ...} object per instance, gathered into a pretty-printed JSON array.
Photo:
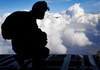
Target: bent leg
[
  {"x": 20, "y": 61},
  {"x": 38, "y": 61}
]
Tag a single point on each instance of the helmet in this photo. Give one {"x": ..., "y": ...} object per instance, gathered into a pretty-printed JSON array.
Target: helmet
[{"x": 40, "y": 5}]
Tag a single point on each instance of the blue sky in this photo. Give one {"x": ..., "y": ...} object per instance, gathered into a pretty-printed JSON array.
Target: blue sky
[{"x": 55, "y": 5}]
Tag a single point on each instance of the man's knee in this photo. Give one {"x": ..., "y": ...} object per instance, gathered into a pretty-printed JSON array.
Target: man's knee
[{"x": 47, "y": 50}]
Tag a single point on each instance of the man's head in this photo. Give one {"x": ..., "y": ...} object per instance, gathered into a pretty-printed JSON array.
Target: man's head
[{"x": 39, "y": 9}]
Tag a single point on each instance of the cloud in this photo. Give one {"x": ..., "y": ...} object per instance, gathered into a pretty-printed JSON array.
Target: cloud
[
  {"x": 75, "y": 11},
  {"x": 2, "y": 18},
  {"x": 68, "y": 30},
  {"x": 25, "y": 10},
  {"x": 5, "y": 47}
]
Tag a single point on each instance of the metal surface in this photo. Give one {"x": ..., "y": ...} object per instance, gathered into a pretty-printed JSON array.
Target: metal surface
[{"x": 54, "y": 62}]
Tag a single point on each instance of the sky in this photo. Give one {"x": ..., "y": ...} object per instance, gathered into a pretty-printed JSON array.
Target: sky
[
  {"x": 72, "y": 26},
  {"x": 55, "y": 5}
]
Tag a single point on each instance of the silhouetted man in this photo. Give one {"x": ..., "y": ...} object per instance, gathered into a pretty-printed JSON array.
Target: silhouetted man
[{"x": 28, "y": 41}]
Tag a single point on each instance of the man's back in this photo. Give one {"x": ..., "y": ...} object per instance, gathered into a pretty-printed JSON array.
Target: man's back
[
  {"x": 23, "y": 22},
  {"x": 22, "y": 26}
]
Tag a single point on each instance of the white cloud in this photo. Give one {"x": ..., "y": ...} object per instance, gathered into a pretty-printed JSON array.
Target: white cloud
[
  {"x": 26, "y": 10},
  {"x": 2, "y": 18},
  {"x": 75, "y": 11},
  {"x": 74, "y": 38},
  {"x": 67, "y": 29},
  {"x": 5, "y": 47}
]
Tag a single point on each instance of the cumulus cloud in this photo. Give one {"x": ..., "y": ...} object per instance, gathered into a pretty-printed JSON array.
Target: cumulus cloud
[
  {"x": 67, "y": 30},
  {"x": 75, "y": 11},
  {"x": 2, "y": 18},
  {"x": 5, "y": 47},
  {"x": 70, "y": 27}
]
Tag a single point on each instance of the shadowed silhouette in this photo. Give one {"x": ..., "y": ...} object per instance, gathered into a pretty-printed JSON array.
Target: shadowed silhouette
[{"x": 28, "y": 41}]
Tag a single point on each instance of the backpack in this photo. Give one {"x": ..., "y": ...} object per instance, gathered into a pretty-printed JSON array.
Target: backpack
[{"x": 6, "y": 29}]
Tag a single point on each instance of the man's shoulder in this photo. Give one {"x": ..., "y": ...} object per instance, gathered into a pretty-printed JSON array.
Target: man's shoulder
[{"x": 19, "y": 13}]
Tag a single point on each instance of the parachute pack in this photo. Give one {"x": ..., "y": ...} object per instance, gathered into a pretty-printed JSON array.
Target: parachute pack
[{"x": 6, "y": 29}]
